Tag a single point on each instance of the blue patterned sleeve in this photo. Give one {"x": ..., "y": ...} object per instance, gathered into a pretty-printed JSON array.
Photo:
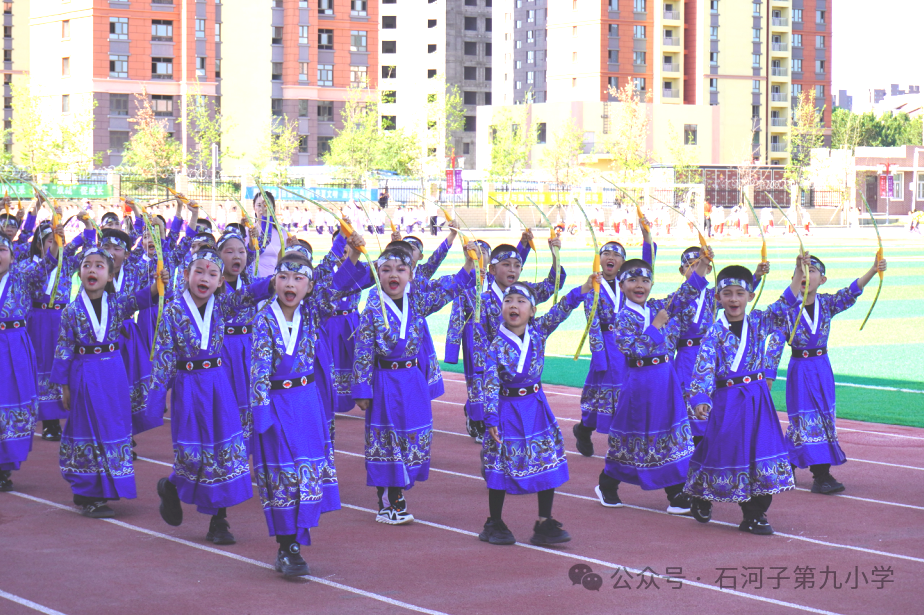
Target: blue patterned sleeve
[
  {"x": 64, "y": 349},
  {"x": 775, "y": 322},
  {"x": 248, "y": 296},
  {"x": 649, "y": 252},
  {"x": 548, "y": 322},
  {"x": 444, "y": 290},
  {"x": 598, "y": 360},
  {"x": 457, "y": 321},
  {"x": 428, "y": 269},
  {"x": 127, "y": 304},
  {"x": 702, "y": 385},
  {"x": 491, "y": 386},
  {"x": 262, "y": 356},
  {"x": 678, "y": 301},
  {"x": 545, "y": 289},
  {"x": 163, "y": 368},
  {"x": 632, "y": 343},
  {"x": 845, "y": 298},
  {"x": 365, "y": 350},
  {"x": 25, "y": 233},
  {"x": 523, "y": 250}
]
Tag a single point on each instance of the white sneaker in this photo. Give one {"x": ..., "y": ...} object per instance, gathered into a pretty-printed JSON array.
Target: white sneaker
[{"x": 393, "y": 516}]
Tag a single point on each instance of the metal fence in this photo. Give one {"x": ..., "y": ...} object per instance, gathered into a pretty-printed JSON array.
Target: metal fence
[
  {"x": 201, "y": 189},
  {"x": 140, "y": 187}
]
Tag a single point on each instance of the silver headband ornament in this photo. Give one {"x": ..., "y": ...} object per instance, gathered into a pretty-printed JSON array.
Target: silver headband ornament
[
  {"x": 7, "y": 243},
  {"x": 299, "y": 249},
  {"x": 414, "y": 242},
  {"x": 688, "y": 257},
  {"x": 519, "y": 289},
  {"x": 502, "y": 256},
  {"x": 116, "y": 241},
  {"x": 636, "y": 272},
  {"x": 393, "y": 256},
  {"x": 294, "y": 267},
  {"x": 726, "y": 282},
  {"x": 228, "y": 236},
  {"x": 96, "y": 251},
  {"x": 613, "y": 247},
  {"x": 207, "y": 256}
]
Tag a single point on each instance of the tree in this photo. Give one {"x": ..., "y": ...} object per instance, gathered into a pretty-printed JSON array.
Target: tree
[
  {"x": 806, "y": 133},
  {"x": 280, "y": 142},
  {"x": 512, "y": 139},
  {"x": 398, "y": 151},
  {"x": 560, "y": 158},
  {"x": 627, "y": 141},
  {"x": 444, "y": 118},
  {"x": 151, "y": 150},
  {"x": 354, "y": 150},
  {"x": 204, "y": 124},
  {"x": 684, "y": 155},
  {"x": 851, "y": 130}
]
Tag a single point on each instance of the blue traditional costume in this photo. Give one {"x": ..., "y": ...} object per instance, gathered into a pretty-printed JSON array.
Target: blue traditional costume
[
  {"x": 742, "y": 457},
  {"x": 18, "y": 396},
  {"x": 810, "y": 396},
  {"x": 96, "y": 454}
]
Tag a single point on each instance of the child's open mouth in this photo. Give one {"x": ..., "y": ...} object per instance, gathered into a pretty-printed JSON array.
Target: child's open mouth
[
  {"x": 289, "y": 296},
  {"x": 203, "y": 288},
  {"x": 393, "y": 285},
  {"x": 92, "y": 280}
]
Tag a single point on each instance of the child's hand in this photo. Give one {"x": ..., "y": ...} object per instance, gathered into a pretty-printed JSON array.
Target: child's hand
[
  {"x": 356, "y": 241},
  {"x": 769, "y": 384},
  {"x": 880, "y": 266},
  {"x": 66, "y": 396},
  {"x": 363, "y": 404},
  {"x": 702, "y": 412},
  {"x": 291, "y": 240},
  {"x": 396, "y": 235},
  {"x": 589, "y": 284},
  {"x": 492, "y": 431},
  {"x": 59, "y": 231},
  {"x": 661, "y": 319},
  {"x": 554, "y": 243},
  {"x": 83, "y": 216},
  {"x": 762, "y": 269},
  {"x": 526, "y": 237}
]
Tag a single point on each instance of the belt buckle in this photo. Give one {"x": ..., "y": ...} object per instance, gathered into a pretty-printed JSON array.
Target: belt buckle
[
  {"x": 746, "y": 380},
  {"x": 536, "y": 388},
  {"x": 98, "y": 350},
  {"x": 16, "y": 325},
  {"x": 287, "y": 384},
  {"x": 729, "y": 382},
  {"x": 206, "y": 364},
  {"x": 81, "y": 350},
  {"x": 656, "y": 361},
  {"x": 689, "y": 343},
  {"x": 189, "y": 366},
  {"x": 394, "y": 365},
  {"x": 304, "y": 380},
  {"x": 819, "y": 352},
  {"x": 229, "y": 330},
  {"x": 522, "y": 392},
  {"x": 409, "y": 364},
  {"x": 639, "y": 363}
]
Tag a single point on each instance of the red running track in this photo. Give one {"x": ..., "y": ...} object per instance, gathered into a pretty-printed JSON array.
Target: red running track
[{"x": 54, "y": 561}]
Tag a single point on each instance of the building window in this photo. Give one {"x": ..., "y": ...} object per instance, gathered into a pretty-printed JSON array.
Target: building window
[
  {"x": 389, "y": 22},
  {"x": 7, "y": 8},
  {"x": 612, "y": 56},
  {"x": 117, "y": 140},
  {"x": 162, "y": 104},
  {"x": 899, "y": 194},
  {"x": 819, "y": 94},
  {"x": 519, "y": 85},
  {"x": 358, "y": 8},
  {"x": 713, "y": 85},
  {"x": 639, "y": 32},
  {"x": 755, "y": 60},
  {"x": 797, "y": 14},
  {"x": 200, "y": 66},
  {"x": 689, "y": 134},
  {"x": 819, "y": 17},
  {"x": 65, "y": 30},
  {"x": 303, "y": 72},
  {"x": 796, "y": 40},
  {"x": 389, "y": 72},
  {"x": 324, "y": 146},
  {"x": 819, "y": 42},
  {"x": 755, "y": 34},
  {"x": 819, "y": 66},
  {"x": 161, "y": 68},
  {"x": 303, "y": 108},
  {"x": 530, "y": 57},
  {"x": 714, "y": 6},
  {"x": 276, "y": 107},
  {"x": 470, "y": 73},
  {"x": 530, "y": 37},
  {"x": 389, "y": 122},
  {"x": 217, "y": 68},
  {"x": 325, "y": 39},
  {"x": 276, "y": 38},
  {"x": 471, "y": 2},
  {"x": 755, "y": 112},
  {"x": 488, "y": 50},
  {"x": 325, "y": 7},
  {"x": 755, "y": 85},
  {"x": 639, "y": 58},
  {"x": 276, "y": 71},
  {"x": 118, "y": 28},
  {"x": 431, "y": 73},
  {"x": 487, "y": 77},
  {"x": 218, "y": 33},
  {"x": 612, "y": 82},
  {"x": 469, "y": 123},
  {"x": 325, "y": 74},
  {"x": 200, "y": 28},
  {"x": 118, "y": 104},
  {"x": 161, "y": 30},
  {"x": 470, "y": 48},
  {"x": 640, "y": 6},
  {"x": 797, "y": 65},
  {"x": 302, "y": 144},
  {"x": 639, "y": 83},
  {"x": 390, "y": 47},
  {"x": 431, "y": 48},
  {"x": 470, "y": 98},
  {"x": 7, "y": 55},
  {"x": 920, "y": 194},
  {"x": 713, "y": 58},
  {"x": 358, "y": 40},
  {"x": 118, "y": 67},
  {"x": 65, "y": 103},
  {"x": 358, "y": 75},
  {"x": 431, "y": 23},
  {"x": 325, "y": 111},
  {"x": 303, "y": 35},
  {"x": 7, "y": 102},
  {"x": 65, "y": 67}
]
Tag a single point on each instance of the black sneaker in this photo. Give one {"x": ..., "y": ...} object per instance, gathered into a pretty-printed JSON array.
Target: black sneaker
[
  {"x": 97, "y": 510},
  {"x": 52, "y": 433},
  {"x": 393, "y": 516},
  {"x": 609, "y": 498},
  {"x": 549, "y": 532},
  {"x": 219, "y": 532},
  {"x": 401, "y": 504},
  {"x": 584, "y": 444},
  {"x": 6, "y": 481},
  {"x": 758, "y": 525},
  {"x": 290, "y": 562},
  {"x": 827, "y": 485},
  {"x": 470, "y": 426},
  {"x": 171, "y": 511},
  {"x": 701, "y": 510},
  {"x": 679, "y": 504},
  {"x": 496, "y": 533}
]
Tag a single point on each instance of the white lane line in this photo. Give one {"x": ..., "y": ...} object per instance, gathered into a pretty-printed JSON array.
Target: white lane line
[
  {"x": 564, "y": 418},
  {"x": 664, "y": 512},
  {"x": 228, "y": 554},
  {"x": 28, "y": 603}
]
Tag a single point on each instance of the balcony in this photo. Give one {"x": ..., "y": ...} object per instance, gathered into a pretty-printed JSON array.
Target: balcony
[
  {"x": 671, "y": 68},
  {"x": 779, "y": 46},
  {"x": 667, "y": 93},
  {"x": 779, "y": 71},
  {"x": 778, "y": 147},
  {"x": 779, "y": 121},
  {"x": 672, "y": 15},
  {"x": 671, "y": 41},
  {"x": 778, "y": 97},
  {"x": 781, "y": 22}
]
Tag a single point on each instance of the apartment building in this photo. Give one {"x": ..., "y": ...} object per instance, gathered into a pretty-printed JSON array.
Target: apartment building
[
  {"x": 15, "y": 56},
  {"x": 751, "y": 59},
  {"x": 426, "y": 46}
]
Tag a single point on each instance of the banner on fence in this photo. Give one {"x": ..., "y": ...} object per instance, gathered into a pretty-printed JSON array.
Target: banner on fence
[
  {"x": 61, "y": 191},
  {"x": 545, "y": 198},
  {"x": 337, "y": 195}
]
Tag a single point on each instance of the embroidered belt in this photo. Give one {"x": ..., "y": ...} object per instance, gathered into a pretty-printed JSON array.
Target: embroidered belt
[
  {"x": 237, "y": 329},
  {"x": 748, "y": 379},
  {"x": 291, "y": 383},
  {"x": 342, "y": 312},
  {"x": 610, "y": 327},
  {"x": 97, "y": 348},
  {"x": 11, "y": 324},
  {"x": 690, "y": 342},
  {"x": 399, "y": 364},
  {"x": 647, "y": 361},
  {"x": 523, "y": 391},
  {"x": 805, "y": 353},
  {"x": 39, "y": 305},
  {"x": 198, "y": 364}
]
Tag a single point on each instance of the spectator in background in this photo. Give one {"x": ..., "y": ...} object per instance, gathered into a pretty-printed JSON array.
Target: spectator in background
[
  {"x": 383, "y": 197},
  {"x": 707, "y": 217}
]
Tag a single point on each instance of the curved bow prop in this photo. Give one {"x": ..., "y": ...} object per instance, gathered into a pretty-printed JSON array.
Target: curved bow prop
[
  {"x": 763, "y": 249},
  {"x": 272, "y": 211},
  {"x": 879, "y": 255},
  {"x": 55, "y": 222},
  {"x": 154, "y": 234},
  {"x": 596, "y": 282},
  {"x": 805, "y": 267},
  {"x": 555, "y": 251}
]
